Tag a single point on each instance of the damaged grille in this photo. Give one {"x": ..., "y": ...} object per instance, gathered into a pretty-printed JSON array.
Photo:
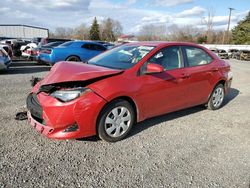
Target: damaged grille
[
  {"x": 34, "y": 107},
  {"x": 57, "y": 86},
  {"x": 47, "y": 88},
  {"x": 72, "y": 84}
]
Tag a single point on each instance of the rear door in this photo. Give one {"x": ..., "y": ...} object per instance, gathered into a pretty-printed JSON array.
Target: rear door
[{"x": 201, "y": 69}]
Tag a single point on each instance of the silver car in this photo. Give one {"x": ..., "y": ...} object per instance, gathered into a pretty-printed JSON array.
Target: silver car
[{"x": 5, "y": 60}]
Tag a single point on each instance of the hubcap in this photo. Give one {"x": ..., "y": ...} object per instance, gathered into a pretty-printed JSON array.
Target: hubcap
[
  {"x": 117, "y": 121},
  {"x": 218, "y": 96}
]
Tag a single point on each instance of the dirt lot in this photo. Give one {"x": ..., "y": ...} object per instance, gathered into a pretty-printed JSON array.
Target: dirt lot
[{"x": 189, "y": 148}]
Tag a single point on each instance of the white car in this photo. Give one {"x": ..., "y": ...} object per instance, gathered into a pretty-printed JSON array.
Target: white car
[
  {"x": 5, "y": 59},
  {"x": 27, "y": 50}
]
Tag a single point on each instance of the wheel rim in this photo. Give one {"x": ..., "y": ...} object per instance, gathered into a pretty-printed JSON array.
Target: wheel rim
[
  {"x": 218, "y": 96},
  {"x": 117, "y": 121}
]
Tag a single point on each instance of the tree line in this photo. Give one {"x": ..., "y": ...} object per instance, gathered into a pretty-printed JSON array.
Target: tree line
[
  {"x": 110, "y": 30},
  {"x": 240, "y": 34},
  {"x": 107, "y": 30}
]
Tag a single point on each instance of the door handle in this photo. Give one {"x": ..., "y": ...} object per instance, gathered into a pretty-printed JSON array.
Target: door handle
[{"x": 185, "y": 76}]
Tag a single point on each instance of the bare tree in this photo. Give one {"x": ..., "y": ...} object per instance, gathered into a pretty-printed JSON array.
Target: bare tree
[
  {"x": 110, "y": 29},
  {"x": 62, "y": 32},
  {"x": 209, "y": 23},
  {"x": 117, "y": 28},
  {"x": 185, "y": 33},
  {"x": 81, "y": 32},
  {"x": 152, "y": 32}
]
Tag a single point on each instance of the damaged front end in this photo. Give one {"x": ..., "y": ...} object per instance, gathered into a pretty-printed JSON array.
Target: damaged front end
[
  {"x": 62, "y": 105},
  {"x": 58, "y": 93},
  {"x": 64, "y": 110}
]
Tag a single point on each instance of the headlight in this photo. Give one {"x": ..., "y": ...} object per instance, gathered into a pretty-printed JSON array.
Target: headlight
[{"x": 70, "y": 94}]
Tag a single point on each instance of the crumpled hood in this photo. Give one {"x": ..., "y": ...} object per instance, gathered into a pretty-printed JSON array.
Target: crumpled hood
[{"x": 75, "y": 71}]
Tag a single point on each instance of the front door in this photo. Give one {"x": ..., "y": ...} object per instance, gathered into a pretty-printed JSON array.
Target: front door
[{"x": 167, "y": 91}]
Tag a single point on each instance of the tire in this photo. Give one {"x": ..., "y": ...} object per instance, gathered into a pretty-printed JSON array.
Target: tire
[
  {"x": 115, "y": 121},
  {"x": 217, "y": 97},
  {"x": 73, "y": 58}
]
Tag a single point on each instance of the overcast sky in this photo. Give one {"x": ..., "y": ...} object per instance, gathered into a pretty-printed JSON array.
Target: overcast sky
[{"x": 132, "y": 14}]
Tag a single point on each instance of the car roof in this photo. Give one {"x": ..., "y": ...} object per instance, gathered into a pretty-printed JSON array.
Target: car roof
[
  {"x": 162, "y": 43},
  {"x": 85, "y": 41}
]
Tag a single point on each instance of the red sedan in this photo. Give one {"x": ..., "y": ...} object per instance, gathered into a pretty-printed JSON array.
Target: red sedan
[{"x": 108, "y": 94}]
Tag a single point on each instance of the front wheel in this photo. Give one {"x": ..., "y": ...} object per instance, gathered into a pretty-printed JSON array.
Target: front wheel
[
  {"x": 115, "y": 121},
  {"x": 216, "y": 98}
]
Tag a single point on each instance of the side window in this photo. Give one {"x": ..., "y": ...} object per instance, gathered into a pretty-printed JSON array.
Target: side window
[
  {"x": 197, "y": 56},
  {"x": 88, "y": 46},
  {"x": 100, "y": 48},
  {"x": 169, "y": 58},
  {"x": 94, "y": 47}
]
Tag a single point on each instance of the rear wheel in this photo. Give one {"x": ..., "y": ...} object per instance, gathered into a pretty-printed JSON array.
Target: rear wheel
[
  {"x": 216, "y": 98},
  {"x": 73, "y": 58},
  {"x": 115, "y": 121}
]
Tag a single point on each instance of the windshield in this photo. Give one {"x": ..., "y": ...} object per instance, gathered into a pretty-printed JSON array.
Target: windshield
[{"x": 122, "y": 57}]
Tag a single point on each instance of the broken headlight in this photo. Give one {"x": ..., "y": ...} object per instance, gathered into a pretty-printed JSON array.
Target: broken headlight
[{"x": 66, "y": 95}]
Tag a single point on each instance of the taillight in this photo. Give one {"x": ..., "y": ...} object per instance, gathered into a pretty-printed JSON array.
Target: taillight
[
  {"x": 46, "y": 51},
  {"x": 28, "y": 52},
  {"x": 34, "y": 52}
]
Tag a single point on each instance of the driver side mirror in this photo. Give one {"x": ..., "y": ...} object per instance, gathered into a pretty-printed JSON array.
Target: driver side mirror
[{"x": 154, "y": 68}]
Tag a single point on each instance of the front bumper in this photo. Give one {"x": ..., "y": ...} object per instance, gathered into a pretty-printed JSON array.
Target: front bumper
[
  {"x": 45, "y": 130},
  {"x": 52, "y": 118}
]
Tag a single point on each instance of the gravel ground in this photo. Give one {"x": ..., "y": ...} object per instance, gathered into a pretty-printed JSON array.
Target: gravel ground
[{"x": 190, "y": 148}]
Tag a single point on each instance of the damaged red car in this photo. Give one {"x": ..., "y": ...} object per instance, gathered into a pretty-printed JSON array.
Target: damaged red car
[{"x": 108, "y": 94}]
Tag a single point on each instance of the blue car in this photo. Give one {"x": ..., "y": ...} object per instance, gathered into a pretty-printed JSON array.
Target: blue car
[
  {"x": 71, "y": 51},
  {"x": 5, "y": 60}
]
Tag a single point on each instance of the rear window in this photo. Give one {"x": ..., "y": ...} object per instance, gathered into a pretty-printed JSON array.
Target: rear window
[
  {"x": 222, "y": 51},
  {"x": 67, "y": 43},
  {"x": 3, "y": 52},
  {"x": 6, "y": 49}
]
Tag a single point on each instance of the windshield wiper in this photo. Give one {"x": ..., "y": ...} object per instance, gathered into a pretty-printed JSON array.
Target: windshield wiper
[{"x": 106, "y": 66}]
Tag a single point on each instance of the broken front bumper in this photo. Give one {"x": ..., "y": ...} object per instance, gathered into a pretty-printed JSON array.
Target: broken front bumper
[
  {"x": 39, "y": 126},
  {"x": 69, "y": 120}
]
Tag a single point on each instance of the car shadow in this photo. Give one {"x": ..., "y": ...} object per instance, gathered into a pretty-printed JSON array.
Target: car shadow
[
  {"x": 25, "y": 68},
  {"x": 141, "y": 126},
  {"x": 233, "y": 93},
  {"x": 23, "y": 63},
  {"x": 89, "y": 139}
]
